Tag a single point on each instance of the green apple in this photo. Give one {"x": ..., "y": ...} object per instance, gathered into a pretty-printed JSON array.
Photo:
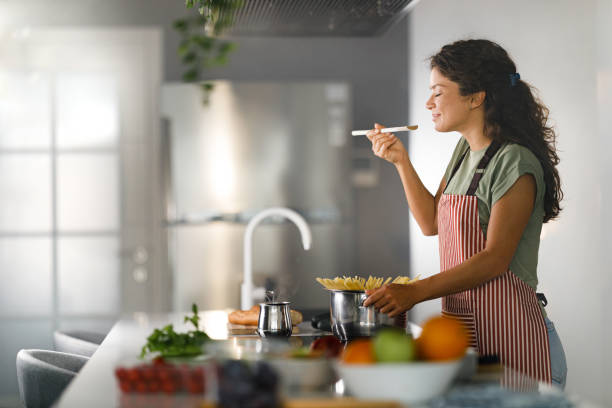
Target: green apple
[{"x": 393, "y": 345}]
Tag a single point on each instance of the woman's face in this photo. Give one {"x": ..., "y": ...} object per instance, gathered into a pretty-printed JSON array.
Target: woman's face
[{"x": 450, "y": 111}]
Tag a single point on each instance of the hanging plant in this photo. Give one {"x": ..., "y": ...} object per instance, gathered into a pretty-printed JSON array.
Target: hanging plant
[{"x": 200, "y": 48}]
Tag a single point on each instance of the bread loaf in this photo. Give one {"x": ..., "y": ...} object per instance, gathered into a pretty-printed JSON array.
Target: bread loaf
[
  {"x": 250, "y": 317},
  {"x": 245, "y": 317},
  {"x": 296, "y": 317}
]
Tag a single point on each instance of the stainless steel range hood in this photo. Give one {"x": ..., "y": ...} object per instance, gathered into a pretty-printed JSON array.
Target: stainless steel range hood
[{"x": 317, "y": 17}]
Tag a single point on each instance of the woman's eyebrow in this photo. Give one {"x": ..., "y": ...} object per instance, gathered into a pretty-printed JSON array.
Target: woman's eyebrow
[{"x": 434, "y": 85}]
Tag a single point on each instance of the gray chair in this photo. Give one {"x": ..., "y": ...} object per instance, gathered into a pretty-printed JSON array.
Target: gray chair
[
  {"x": 43, "y": 375},
  {"x": 79, "y": 342}
]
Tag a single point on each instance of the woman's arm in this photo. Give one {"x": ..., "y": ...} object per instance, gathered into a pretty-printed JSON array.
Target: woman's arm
[
  {"x": 423, "y": 205},
  {"x": 509, "y": 217}
]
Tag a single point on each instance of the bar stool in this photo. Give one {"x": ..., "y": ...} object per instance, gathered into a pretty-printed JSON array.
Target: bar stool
[
  {"x": 43, "y": 375},
  {"x": 79, "y": 342}
]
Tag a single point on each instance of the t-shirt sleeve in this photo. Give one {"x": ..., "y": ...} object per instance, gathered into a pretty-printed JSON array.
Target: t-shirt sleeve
[
  {"x": 514, "y": 162},
  {"x": 460, "y": 148}
]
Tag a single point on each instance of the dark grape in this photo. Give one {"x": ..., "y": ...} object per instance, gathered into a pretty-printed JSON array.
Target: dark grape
[
  {"x": 241, "y": 386},
  {"x": 236, "y": 370},
  {"x": 266, "y": 376}
]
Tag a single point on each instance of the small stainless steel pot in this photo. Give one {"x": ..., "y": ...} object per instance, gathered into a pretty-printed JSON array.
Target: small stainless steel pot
[
  {"x": 274, "y": 320},
  {"x": 350, "y": 319}
]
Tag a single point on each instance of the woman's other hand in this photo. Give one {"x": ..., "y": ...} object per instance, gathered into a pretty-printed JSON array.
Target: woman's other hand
[
  {"x": 386, "y": 145},
  {"x": 392, "y": 299}
]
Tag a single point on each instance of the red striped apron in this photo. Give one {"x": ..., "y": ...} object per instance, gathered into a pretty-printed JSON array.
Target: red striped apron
[{"x": 503, "y": 315}]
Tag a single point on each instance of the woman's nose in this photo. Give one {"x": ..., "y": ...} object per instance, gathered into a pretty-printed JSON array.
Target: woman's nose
[{"x": 429, "y": 103}]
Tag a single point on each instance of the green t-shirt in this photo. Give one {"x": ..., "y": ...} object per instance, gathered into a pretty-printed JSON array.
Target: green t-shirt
[{"x": 509, "y": 163}]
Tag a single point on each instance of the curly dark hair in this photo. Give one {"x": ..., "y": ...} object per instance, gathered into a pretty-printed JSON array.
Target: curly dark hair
[{"x": 512, "y": 112}]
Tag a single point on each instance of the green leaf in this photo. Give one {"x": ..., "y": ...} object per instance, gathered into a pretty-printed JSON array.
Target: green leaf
[
  {"x": 197, "y": 51},
  {"x": 189, "y": 57},
  {"x": 227, "y": 47},
  {"x": 219, "y": 60},
  {"x": 184, "y": 47},
  {"x": 206, "y": 43},
  {"x": 167, "y": 342},
  {"x": 223, "y": 5},
  {"x": 180, "y": 25},
  {"x": 195, "y": 319},
  {"x": 190, "y": 75}
]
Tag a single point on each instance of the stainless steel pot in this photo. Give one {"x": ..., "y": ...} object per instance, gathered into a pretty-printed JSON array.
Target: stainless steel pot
[
  {"x": 274, "y": 320},
  {"x": 350, "y": 319}
]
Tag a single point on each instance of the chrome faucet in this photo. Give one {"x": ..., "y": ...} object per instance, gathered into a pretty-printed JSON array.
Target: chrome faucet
[{"x": 247, "y": 291}]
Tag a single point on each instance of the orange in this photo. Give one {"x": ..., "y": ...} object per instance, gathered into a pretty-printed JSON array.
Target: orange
[
  {"x": 442, "y": 338},
  {"x": 359, "y": 351}
]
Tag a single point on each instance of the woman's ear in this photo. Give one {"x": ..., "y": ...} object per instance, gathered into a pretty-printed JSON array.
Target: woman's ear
[{"x": 477, "y": 99}]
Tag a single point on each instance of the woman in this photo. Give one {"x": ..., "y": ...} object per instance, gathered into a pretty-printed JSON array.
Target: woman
[{"x": 500, "y": 186}]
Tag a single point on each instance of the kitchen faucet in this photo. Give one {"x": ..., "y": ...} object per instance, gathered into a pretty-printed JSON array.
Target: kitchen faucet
[{"x": 247, "y": 291}]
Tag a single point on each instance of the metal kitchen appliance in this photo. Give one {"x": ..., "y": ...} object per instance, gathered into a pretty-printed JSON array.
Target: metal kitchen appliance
[
  {"x": 257, "y": 145},
  {"x": 317, "y": 17}
]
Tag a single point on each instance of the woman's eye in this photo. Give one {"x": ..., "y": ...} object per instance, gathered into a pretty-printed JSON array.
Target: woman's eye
[{"x": 437, "y": 94}]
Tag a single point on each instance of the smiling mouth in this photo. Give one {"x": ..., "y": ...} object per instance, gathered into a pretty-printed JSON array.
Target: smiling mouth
[{"x": 435, "y": 116}]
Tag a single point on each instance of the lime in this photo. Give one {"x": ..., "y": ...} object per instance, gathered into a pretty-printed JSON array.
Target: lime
[{"x": 393, "y": 345}]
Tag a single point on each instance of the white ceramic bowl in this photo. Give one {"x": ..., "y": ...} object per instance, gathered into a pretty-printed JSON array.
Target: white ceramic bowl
[
  {"x": 409, "y": 383},
  {"x": 304, "y": 374}
]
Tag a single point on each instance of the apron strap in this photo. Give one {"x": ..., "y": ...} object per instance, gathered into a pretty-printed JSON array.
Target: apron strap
[
  {"x": 491, "y": 150},
  {"x": 457, "y": 166}
]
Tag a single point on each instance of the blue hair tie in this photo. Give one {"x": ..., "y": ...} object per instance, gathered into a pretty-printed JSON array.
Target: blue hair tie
[{"x": 514, "y": 78}]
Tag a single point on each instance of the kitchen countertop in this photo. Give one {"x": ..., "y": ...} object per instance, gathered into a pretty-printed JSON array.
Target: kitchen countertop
[{"x": 95, "y": 385}]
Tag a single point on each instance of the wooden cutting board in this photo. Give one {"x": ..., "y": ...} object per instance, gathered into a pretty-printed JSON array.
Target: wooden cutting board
[
  {"x": 241, "y": 329},
  {"x": 344, "y": 402}
]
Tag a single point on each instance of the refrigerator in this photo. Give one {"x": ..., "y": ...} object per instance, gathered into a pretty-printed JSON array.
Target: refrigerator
[{"x": 256, "y": 145}]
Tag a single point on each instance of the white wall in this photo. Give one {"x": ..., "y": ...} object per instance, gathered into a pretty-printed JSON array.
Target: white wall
[
  {"x": 563, "y": 48},
  {"x": 604, "y": 115}
]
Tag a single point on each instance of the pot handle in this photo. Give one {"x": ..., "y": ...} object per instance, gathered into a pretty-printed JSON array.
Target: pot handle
[{"x": 362, "y": 299}]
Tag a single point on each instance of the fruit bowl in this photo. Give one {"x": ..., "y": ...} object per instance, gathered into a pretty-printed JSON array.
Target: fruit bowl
[{"x": 410, "y": 382}]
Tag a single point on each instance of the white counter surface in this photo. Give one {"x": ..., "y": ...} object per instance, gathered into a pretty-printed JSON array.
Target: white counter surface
[{"x": 96, "y": 386}]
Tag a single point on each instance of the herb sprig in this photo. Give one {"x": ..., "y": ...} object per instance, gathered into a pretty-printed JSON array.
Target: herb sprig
[{"x": 169, "y": 343}]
